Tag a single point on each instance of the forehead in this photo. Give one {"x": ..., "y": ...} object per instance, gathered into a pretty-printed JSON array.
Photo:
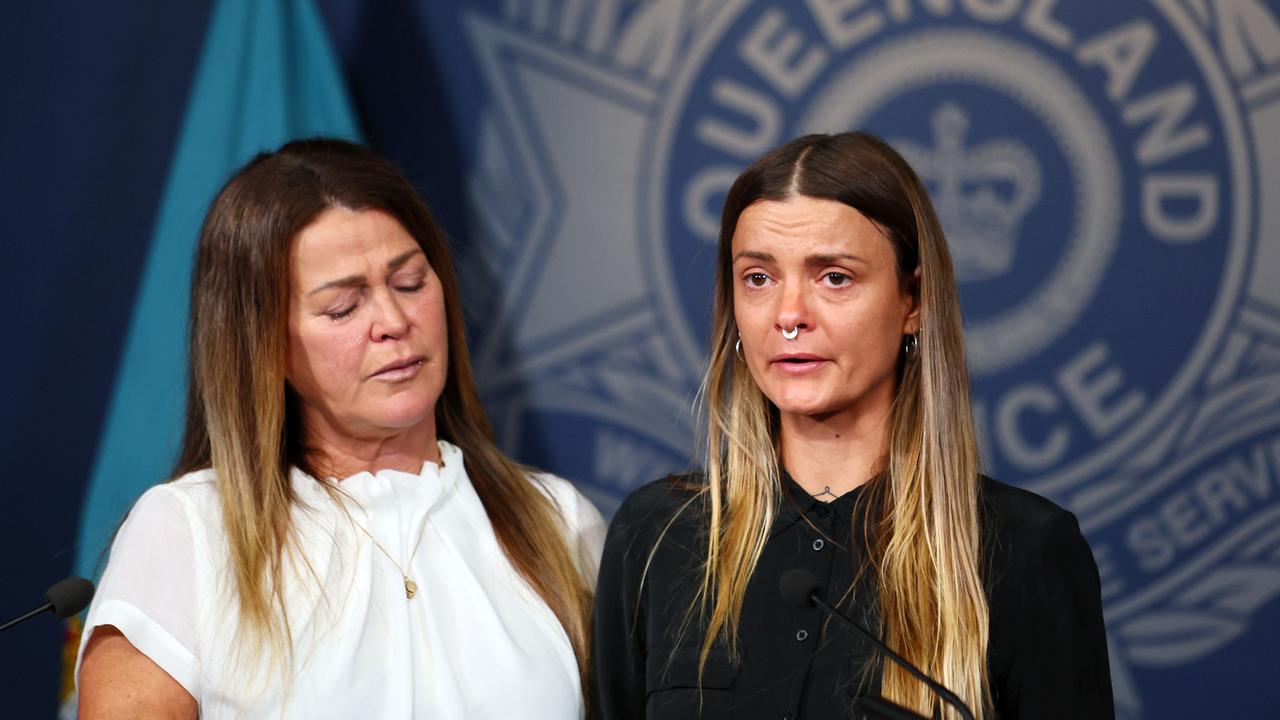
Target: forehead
[
  {"x": 346, "y": 241},
  {"x": 803, "y": 226}
]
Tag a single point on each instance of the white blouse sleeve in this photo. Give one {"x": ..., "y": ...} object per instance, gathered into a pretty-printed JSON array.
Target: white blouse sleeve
[
  {"x": 590, "y": 529},
  {"x": 585, "y": 525},
  {"x": 148, "y": 590}
]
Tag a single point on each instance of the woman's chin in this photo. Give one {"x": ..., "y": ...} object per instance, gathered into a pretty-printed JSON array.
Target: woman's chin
[
  {"x": 806, "y": 406},
  {"x": 402, "y": 414}
]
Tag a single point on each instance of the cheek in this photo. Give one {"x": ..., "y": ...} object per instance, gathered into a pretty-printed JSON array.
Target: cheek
[
  {"x": 750, "y": 318},
  {"x": 325, "y": 361},
  {"x": 875, "y": 338},
  {"x": 752, "y": 338},
  {"x": 429, "y": 315}
]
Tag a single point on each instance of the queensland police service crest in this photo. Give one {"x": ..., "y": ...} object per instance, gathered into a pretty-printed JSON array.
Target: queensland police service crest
[{"x": 1097, "y": 169}]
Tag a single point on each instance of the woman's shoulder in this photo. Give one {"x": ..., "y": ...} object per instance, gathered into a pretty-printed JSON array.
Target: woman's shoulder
[
  {"x": 198, "y": 485},
  {"x": 560, "y": 491},
  {"x": 656, "y": 536},
  {"x": 193, "y": 495},
  {"x": 1024, "y": 529},
  {"x": 1023, "y": 509},
  {"x": 669, "y": 504},
  {"x": 584, "y": 525},
  {"x": 1020, "y": 511},
  {"x": 576, "y": 508},
  {"x": 1043, "y": 591},
  {"x": 661, "y": 496}
]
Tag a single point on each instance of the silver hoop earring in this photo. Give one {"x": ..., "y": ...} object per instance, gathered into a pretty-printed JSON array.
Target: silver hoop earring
[
  {"x": 737, "y": 347},
  {"x": 911, "y": 345},
  {"x": 792, "y": 333}
]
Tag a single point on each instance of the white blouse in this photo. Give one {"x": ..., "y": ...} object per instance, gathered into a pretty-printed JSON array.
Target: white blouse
[{"x": 475, "y": 641}]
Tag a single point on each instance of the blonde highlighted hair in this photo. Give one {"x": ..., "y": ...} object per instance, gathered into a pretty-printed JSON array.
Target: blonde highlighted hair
[
  {"x": 922, "y": 515},
  {"x": 242, "y": 418}
]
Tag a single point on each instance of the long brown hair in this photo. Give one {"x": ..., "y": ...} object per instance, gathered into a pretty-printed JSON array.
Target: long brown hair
[
  {"x": 241, "y": 414},
  {"x": 922, "y": 511}
]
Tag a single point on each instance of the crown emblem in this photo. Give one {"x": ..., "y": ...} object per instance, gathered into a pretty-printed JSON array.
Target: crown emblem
[{"x": 981, "y": 193}]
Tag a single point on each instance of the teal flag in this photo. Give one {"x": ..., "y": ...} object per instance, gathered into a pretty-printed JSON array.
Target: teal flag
[{"x": 266, "y": 75}]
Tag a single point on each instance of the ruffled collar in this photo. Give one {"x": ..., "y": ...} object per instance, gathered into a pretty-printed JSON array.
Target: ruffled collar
[{"x": 372, "y": 488}]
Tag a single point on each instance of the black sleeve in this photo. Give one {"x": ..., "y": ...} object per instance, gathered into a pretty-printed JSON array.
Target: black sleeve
[
  {"x": 617, "y": 674},
  {"x": 1059, "y": 666}
]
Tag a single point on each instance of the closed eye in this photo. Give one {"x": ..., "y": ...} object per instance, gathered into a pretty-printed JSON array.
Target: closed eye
[{"x": 340, "y": 314}]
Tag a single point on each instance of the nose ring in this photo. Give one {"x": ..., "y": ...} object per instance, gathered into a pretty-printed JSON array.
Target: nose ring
[{"x": 792, "y": 333}]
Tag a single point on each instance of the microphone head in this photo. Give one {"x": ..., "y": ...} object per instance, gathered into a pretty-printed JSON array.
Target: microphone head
[
  {"x": 798, "y": 586},
  {"x": 69, "y": 596}
]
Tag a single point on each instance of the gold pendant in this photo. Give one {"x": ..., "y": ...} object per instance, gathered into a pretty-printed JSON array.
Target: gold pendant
[{"x": 410, "y": 588}]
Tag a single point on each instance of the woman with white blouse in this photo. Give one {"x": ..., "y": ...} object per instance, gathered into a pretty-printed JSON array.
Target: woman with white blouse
[{"x": 342, "y": 537}]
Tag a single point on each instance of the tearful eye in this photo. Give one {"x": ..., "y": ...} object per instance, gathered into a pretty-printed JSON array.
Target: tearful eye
[
  {"x": 339, "y": 314},
  {"x": 757, "y": 279}
]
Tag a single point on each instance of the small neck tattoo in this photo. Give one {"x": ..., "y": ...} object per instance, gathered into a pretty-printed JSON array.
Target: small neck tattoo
[{"x": 826, "y": 491}]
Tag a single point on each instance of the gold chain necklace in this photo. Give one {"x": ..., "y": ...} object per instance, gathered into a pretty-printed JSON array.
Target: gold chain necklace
[{"x": 410, "y": 587}]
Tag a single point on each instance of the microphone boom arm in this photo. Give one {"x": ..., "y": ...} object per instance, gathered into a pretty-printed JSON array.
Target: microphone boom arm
[
  {"x": 937, "y": 687},
  {"x": 27, "y": 616}
]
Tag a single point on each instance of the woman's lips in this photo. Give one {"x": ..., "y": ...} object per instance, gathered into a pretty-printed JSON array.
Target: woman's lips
[
  {"x": 799, "y": 363},
  {"x": 401, "y": 369}
]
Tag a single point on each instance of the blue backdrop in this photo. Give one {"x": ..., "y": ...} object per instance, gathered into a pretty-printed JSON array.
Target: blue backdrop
[{"x": 1108, "y": 174}]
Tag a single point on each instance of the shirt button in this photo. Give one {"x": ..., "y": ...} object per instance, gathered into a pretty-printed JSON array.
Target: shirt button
[
  {"x": 802, "y": 635},
  {"x": 817, "y": 544},
  {"x": 788, "y": 716}
]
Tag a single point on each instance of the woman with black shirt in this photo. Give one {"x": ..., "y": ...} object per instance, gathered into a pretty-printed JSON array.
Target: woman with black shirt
[{"x": 840, "y": 441}]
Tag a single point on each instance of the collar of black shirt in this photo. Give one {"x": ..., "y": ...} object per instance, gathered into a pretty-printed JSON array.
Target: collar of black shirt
[{"x": 834, "y": 517}]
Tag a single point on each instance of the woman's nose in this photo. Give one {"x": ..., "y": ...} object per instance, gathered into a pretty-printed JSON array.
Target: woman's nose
[
  {"x": 793, "y": 311},
  {"x": 391, "y": 322}
]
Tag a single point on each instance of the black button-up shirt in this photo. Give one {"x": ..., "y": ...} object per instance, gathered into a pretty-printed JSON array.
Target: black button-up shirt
[
  {"x": 813, "y": 662},
  {"x": 1047, "y": 656}
]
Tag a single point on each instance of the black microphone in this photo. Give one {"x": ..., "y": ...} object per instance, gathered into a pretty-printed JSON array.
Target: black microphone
[
  {"x": 66, "y": 598},
  {"x": 802, "y": 588}
]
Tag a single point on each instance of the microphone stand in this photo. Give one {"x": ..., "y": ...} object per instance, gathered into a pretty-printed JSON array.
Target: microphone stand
[
  {"x": 878, "y": 705},
  {"x": 42, "y": 609}
]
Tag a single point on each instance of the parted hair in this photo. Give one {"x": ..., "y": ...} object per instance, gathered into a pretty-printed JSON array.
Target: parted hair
[
  {"x": 242, "y": 417},
  {"x": 922, "y": 523}
]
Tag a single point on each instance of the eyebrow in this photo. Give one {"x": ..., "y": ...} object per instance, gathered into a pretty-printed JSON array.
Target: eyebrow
[
  {"x": 828, "y": 259},
  {"x": 357, "y": 280},
  {"x": 824, "y": 259}
]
